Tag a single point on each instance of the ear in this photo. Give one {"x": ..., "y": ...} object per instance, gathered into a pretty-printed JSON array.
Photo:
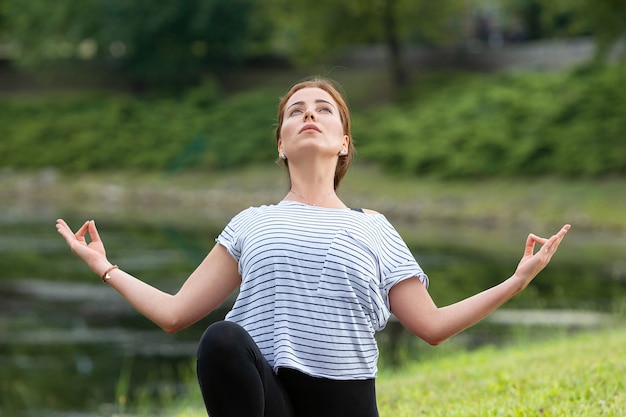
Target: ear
[
  {"x": 280, "y": 145},
  {"x": 346, "y": 143}
]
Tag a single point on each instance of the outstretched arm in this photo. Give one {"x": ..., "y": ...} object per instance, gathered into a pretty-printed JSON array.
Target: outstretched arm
[
  {"x": 205, "y": 289},
  {"x": 415, "y": 309}
]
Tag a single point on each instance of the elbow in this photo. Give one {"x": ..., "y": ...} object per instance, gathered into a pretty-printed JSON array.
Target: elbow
[
  {"x": 433, "y": 340},
  {"x": 170, "y": 330},
  {"x": 172, "y": 326},
  {"x": 432, "y": 336},
  {"x": 173, "y": 319}
]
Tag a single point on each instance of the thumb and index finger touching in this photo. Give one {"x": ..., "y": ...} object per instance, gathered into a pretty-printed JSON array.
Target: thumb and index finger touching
[
  {"x": 548, "y": 245},
  {"x": 88, "y": 228}
]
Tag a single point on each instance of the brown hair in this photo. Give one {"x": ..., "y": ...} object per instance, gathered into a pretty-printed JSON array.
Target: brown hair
[{"x": 332, "y": 88}]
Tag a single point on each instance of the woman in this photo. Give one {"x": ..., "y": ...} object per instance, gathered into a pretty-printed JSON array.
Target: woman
[{"x": 316, "y": 278}]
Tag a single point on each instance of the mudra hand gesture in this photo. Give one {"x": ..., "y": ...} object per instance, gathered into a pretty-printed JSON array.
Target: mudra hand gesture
[
  {"x": 532, "y": 263},
  {"x": 92, "y": 252}
]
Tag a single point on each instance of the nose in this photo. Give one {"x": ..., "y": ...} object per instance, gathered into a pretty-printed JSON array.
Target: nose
[{"x": 309, "y": 115}]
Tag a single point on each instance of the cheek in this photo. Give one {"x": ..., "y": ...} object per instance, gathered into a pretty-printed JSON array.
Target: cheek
[{"x": 286, "y": 129}]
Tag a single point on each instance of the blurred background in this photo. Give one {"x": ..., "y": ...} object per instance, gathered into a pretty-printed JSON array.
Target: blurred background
[{"x": 475, "y": 121}]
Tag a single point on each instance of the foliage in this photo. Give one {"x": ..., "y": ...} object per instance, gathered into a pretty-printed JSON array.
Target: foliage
[
  {"x": 458, "y": 126},
  {"x": 605, "y": 20},
  {"x": 99, "y": 132},
  {"x": 171, "y": 42},
  {"x": 355, "y": 22},
  {"x": 568, "y": 124},
  {"x": 393, "y": 23}
]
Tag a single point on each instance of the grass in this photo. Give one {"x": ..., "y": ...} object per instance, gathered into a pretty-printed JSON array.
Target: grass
[
  {"x": 575, "y": 376},
  {"x": 569, "y": 376}
]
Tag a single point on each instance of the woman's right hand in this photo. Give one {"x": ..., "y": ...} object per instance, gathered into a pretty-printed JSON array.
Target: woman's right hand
[{"x": 93, "y": 252}]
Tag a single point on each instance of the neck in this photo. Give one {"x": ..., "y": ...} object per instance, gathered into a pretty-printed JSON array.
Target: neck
[
  {"x": 315, "y": 202},
  {"x": 312, "y": 183}
]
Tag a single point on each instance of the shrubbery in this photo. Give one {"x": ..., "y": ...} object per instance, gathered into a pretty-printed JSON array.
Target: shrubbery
[
  {"x": 569, "y": 124},
  {"x": 455, "y": 126},
  {"x": 104, "y": 132}
]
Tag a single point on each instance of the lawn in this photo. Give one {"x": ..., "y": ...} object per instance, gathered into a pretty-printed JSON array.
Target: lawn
[{"x": 575, "y": 376}]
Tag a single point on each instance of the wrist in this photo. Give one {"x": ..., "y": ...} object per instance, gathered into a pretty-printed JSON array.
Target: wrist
[
  {"x": 100, "y": 267},
  {"x": 106, "y": 275},
  {"x": 518, "y": 283}
]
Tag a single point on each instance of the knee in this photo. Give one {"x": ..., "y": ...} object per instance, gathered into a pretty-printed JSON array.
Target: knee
[{"x": 221, "y": 340}]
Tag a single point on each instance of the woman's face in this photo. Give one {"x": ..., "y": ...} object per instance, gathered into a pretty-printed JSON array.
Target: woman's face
[{"x": 311, "y": 123}]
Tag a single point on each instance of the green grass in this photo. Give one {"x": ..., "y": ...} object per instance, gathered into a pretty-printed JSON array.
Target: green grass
[
  {"x": 574, "y": 376},
  {"x": 581, "y": 375}
]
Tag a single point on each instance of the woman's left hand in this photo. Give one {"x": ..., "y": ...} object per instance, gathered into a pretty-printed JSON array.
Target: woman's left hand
[{"x": 532, "y": 263}]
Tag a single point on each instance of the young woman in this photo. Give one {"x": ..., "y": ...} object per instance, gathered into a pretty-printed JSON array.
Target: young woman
[{"x": 317, "y": 279}]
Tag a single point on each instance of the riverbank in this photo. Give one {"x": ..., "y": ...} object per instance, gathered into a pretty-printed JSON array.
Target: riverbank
[
  {"x": 579, "y": 375},
  {"x": 216, "y": 196},
  {"x": 476, "y": 212}
]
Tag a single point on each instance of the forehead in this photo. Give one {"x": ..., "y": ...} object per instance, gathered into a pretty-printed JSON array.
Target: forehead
[{"x": 310, "y": 94}]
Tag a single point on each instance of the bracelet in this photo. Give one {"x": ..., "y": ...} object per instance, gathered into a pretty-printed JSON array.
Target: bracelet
[{"x": 107, "y": 274}]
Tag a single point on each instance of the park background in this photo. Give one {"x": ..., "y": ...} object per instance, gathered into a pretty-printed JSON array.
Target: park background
[{"x": 476, "y": 122}]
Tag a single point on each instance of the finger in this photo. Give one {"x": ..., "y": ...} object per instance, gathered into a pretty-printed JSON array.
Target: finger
[
  {"x": 83, "y": 228},
  {"x": 549, "y": 246},
  {"x": 529, "y": 249},
  {"x": 62, "y": 223},
  {"x": 93, "y": 232},
  {"x": 80, "y": 233},
  {"x": 558, "y": 237},
  {"x": 66, "y": 233},
  {"x": 65, "y": 230},
  {"x": 530, "y": 244},
  {"x": 563, "y": 230}
]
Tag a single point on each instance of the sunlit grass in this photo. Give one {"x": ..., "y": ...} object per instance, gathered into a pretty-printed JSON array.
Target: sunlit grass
[{"x": 577, "y": 376}]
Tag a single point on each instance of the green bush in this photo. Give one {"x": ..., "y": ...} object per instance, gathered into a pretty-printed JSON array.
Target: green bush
[
  {"x": 453, "y": 126},
  {"x": 102, "y": 131},
  {"x": 569, "y": 124}
]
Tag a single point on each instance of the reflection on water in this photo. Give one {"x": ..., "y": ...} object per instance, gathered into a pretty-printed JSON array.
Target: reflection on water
[{"x": 69, "y": 342}]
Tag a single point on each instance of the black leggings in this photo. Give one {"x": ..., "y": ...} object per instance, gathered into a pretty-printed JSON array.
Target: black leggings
[{"x": 236, "y": 380}]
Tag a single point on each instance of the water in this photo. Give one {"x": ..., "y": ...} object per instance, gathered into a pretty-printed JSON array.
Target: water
[{"x": 69, "y": 345}]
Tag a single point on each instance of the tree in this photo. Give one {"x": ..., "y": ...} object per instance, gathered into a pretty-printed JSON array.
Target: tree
[
  {"x": 309, "y": 33},
  {"x": 604, "y": 20},
  {"x": 152, "y": 42}
]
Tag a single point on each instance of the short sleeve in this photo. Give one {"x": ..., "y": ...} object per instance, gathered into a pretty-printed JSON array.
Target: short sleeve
[
  {"x": 232, "y": 235},
  {"x": 397, "y": 263}
]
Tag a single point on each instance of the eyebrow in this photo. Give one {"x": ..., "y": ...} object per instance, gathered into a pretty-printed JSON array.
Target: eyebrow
[{"x": 299, "y": 103}]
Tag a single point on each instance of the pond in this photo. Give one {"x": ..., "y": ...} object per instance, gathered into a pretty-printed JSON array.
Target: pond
[{"x": 69, "y": 345}]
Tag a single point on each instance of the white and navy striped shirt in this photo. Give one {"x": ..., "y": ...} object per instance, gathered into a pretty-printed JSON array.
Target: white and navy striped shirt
[{"x": 315, "y": 284}]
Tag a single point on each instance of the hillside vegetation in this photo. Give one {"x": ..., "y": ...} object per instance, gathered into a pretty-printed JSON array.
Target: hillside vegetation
[{"x": 567, "y": 124}]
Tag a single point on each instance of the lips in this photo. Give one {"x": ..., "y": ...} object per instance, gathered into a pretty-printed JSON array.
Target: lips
[{"x": 309, "y": 127}]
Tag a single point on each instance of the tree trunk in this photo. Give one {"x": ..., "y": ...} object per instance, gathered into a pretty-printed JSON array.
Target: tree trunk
[{"x": 399, "y": 74}]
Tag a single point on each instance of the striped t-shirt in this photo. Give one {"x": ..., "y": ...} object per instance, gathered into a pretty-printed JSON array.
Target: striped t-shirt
[{"x": 315, "y": 284}]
